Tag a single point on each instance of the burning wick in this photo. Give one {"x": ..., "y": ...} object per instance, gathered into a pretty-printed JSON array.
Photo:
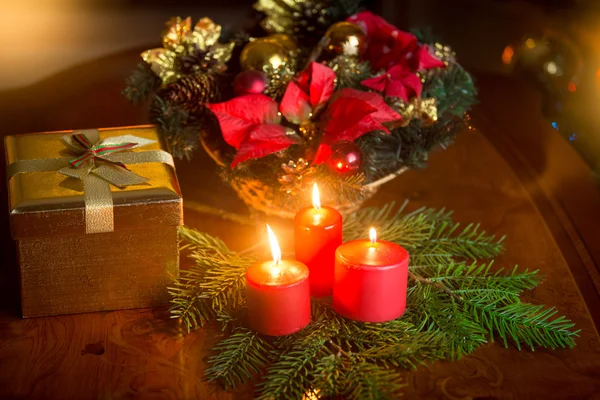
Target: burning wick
[
  {"x": 372, "y": 235},
  {"x": 316, "y": 200},
  {"x": 275, "y": 251}
]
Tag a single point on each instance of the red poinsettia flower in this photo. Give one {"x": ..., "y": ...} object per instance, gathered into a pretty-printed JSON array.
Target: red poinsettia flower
[
  {"x": 423, "y": 59},
  {"x": 250, "y": 123},
  {"x": 311, "y": 90},
  {"x": 351, "y": 114},
  {"x": 398, "y": 81},
  {"x": 388, "y": 46}
]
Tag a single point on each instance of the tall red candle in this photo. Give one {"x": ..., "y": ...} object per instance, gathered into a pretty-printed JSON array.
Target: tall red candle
[
  {"x": 370, "y": 280},
  {"x": 277, "y": 294},
  {"x": 318, "y": 233}
]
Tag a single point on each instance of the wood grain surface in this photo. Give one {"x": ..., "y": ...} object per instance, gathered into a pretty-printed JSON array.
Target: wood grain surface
[{"x": 511, "y": 174}]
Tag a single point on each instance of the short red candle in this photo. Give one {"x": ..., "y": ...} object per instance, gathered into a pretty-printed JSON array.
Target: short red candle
[
  {"x": 278, "y": 296},
  {"x": 318, "y": 233},
  {"x": 370, "y": 280}
]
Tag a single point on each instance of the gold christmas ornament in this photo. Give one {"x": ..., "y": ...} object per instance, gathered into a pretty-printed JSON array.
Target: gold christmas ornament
[
  {"x": 424, "y": 109},
  {"x": 186, "y": 50},
  {"x": 284, "y": 40},
  {"x": 261, "y": 53},
  {"x": 343, "y": 38}
]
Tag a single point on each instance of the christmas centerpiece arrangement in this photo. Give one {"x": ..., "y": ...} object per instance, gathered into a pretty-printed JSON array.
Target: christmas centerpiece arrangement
[
  {"x": 327, "y": 93},
  {"x": 345, "y": 320}
]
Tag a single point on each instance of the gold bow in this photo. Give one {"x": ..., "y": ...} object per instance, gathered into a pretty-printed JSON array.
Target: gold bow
[
  {"x": 97, "y": 173},
  {"x": 97, "y": 157},
  {"x": 201, "y": 44}
]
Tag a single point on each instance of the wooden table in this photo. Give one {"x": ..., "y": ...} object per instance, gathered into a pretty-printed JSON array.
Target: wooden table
[{"x": 513, "y": 174}]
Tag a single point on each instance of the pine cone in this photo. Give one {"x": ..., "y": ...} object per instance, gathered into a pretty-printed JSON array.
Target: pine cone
[
  {"x": 196, "y": 60},
  {"x": 306, "y": 20},
  {"x": 192, "y": 91},
  {"x": 313, "y": 20}
]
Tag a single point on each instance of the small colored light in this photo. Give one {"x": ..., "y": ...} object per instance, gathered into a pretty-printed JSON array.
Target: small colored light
[
  {"x": 552, "y": 68},
  {"x": 555, "y": 125},
  {"x": 508, "y": 54},
  {"x": 530, "y": 43},
  {"x": 571, "y": 87},
  {"x": 573, "y": 137}
]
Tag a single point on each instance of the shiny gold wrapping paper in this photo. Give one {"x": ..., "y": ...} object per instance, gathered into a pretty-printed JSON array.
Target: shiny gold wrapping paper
[
  {"x": 63, "y": 269},
  {"x": 97, "y": 272},
  {"x": 49, "y": 203}
]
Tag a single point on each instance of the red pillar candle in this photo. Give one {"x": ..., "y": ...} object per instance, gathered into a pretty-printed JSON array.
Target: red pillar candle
[
  {"x": 277, "y": 294},
  {"x": 318, "y": 233},
  {"x": 370, "y": 280}
]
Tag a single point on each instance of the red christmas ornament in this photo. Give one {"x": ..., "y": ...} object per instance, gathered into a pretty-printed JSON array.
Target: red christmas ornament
[
  {"x": 345, "y": 158},
  {"x": 250, "y": 82}
]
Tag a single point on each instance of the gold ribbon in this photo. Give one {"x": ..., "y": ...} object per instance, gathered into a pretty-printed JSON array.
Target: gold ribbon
[{"x": 96, "y": 179}]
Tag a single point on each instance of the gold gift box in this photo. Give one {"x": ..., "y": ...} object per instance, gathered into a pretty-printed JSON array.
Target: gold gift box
[{"x": 65, "y": 270}]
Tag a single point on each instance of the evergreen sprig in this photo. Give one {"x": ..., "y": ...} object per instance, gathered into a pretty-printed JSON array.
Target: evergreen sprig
[
  {"x": 455, "y": 303},
  {"x": 359, "y": 378},
  {"x": 141, "y": 84},
  {"x": 213, "y": 285},
  {"x": 238, "y": 357}
]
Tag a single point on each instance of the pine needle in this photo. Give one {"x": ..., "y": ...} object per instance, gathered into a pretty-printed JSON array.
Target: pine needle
[
  {"x": 237, "y": 358},
  {"x": 455, "y": 304}
]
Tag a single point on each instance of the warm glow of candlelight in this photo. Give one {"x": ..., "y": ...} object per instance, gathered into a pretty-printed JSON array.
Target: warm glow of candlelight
[
  {"x": 316, "y": 200},
  {"x": 275, "y": 249},
  {"x": 372, "y": 235}
]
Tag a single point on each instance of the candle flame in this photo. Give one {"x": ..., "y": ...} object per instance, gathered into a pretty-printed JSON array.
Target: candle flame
[
  {"x": 316, "y": 200},
  {"x": 275, "y": 249},
  {"x": 372, "y": 235}
]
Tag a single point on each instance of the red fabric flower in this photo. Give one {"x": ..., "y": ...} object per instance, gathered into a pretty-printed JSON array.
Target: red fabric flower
[
  {"x": 423, "y": 59},
  {"x": 398, "y": 81},
  {"x": 250, "y": 123},
  {"x": 383, "y": 113},
  {"x": 311, "y": 90},
  {"x": 351, "y": 114},
  {"x": 388, "y": 46}
]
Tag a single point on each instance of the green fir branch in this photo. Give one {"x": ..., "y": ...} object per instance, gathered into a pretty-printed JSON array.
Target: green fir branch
[
  {"x": 523, "y": 323},
  {"x": 453, "y": 307},
  {"x": 407, "y": 230},
  {"x": 141, "y": 83},
  {"x": 454, "y": 90},
  {"x": 350, "y": 71},
  {"x": 290, "y": 376},
  {"x": 470, "y": 242},
  {"x": 418, "y": 348},
  {"x": 238, "y": 358},
  {"x": 438, "y": 312},
  {"x": 479, "y": 278},
  {"x": 188, "y": 304},
  {"x": 200, "y": 242},
  {"x": 214, "y": 284},
  {"x": 358, "y": 378},
  {"x": 491, "y": 300}
]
